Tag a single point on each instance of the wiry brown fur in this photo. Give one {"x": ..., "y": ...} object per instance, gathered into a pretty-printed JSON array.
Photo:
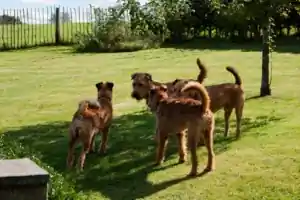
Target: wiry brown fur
[
  {"x": 181, "y": 113},
  {"x": 228, "y": 96},
  {"x": 89, "y": 119}
]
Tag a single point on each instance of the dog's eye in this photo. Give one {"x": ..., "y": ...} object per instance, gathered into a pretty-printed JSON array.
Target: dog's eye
[{"x": 137, "y": 84}]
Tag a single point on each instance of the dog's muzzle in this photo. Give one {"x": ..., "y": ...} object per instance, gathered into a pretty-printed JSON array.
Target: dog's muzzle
[{"x": 136, "y": 96}]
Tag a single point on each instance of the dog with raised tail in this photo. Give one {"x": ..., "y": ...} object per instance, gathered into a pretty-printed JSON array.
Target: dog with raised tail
[
  {"x": 173, "y": 114},
  {"x": 227, "y": 96},
  {"x": 91, "y": 118}
]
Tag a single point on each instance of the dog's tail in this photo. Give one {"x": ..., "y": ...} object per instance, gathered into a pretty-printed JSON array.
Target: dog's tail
[
  {"x": 203, "y": 71},
  {"x": 74, "y": 131},
  {"x": 193, "y": 85},
  {"x": 85, "y": 111},
  {"x": 237, "y": 77}
]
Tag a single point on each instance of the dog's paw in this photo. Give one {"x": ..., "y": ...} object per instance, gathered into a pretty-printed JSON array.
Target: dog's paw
[
  {"x": 237, "y": 137},
  {"x": 92, "y": 151},
  {"x": 102, "y": 153},
  {"x": 209, "y": 169},
  {"x": 158, "y": 163},
  {"x": 192, "y": 174},
  {"x": 79, "y": 170},
  {"x": 181, "y": 160}
]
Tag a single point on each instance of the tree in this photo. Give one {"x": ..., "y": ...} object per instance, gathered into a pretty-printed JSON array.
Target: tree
[
  {"x": 271, "y": 8},
  {"x": 63, "y": 17},
  {"x": 265, "y": 88},
  {"x": 265, "y": 11}
]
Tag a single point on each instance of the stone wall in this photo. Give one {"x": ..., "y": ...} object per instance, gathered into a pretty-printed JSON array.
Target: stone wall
[{"x": 22, "y": 179}]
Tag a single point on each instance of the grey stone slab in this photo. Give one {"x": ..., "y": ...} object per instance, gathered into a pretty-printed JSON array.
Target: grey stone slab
[{"x": 18, "y": 172}]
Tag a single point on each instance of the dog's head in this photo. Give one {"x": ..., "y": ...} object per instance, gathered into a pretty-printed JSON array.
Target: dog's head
[
  {"x": 141, "y": 84},
  {"x": 156, "y": 94},
  {"x": 105, "y": 90}
]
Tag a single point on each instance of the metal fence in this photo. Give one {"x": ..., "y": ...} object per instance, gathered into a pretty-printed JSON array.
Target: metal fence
[{"x": 21, "y": 28}]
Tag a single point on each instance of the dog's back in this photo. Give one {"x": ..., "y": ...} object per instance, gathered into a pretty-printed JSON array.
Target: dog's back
[
  {"x": 90, "y": 117},
  {"x": 224, "y": 95},
  {"x": 79, "y": 124}
]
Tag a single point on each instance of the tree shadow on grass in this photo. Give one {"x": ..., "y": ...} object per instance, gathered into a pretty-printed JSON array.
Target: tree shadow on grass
[
  {"x": 286, "y": 45},
  {"x": 123, "y": 172}
]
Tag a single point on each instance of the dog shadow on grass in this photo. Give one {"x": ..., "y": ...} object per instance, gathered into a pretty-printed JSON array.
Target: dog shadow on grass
[{"x": 123, "y": 172}]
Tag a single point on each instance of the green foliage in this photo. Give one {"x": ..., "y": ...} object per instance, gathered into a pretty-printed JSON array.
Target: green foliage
[
  {"x": 113, "y": 33},
  {"x": 130, "y": 26}
]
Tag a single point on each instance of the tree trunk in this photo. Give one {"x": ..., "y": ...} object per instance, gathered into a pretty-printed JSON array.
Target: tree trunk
[{"x": 265, "y": 83}]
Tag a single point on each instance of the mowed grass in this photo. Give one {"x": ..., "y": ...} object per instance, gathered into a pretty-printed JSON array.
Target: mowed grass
[
  {"x": 40, "y": 89},
  {"x": 27, "y": 35}
]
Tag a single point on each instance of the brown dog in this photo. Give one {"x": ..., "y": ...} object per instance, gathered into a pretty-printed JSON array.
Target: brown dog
[
  {"x": 175, "y": 113},
  {"x": 228, "y": 96},
  {"x": 89, "y": 119}
]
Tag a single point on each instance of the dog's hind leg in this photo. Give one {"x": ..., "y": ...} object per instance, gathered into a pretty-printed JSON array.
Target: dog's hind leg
[
  {"x": 162, "y": 143},
  {"x": 85, "y": 150},
  {"x": 181, "y": 146},
  {"x": 104, "y": 140},
  {"x": 192, "y": 145},
  {"x": 71, "y": 147},
  {"x": 92, "y": 147},
  {"x": 239, "y": 115},
  {"x": 227, "y": 113},
  {"x": 208, "y": 139}
]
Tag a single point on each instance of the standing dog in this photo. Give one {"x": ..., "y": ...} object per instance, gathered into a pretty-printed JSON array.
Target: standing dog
[
  {"x": 228, "y": 96},
  {"x": 89, "y": 119},
  {"x": 175, "y": 113}
]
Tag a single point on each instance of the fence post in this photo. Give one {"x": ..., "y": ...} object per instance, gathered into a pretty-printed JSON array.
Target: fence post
[{"x": 57, "y": 27}]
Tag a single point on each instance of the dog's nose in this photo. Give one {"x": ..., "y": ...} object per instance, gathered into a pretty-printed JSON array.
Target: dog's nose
[{"x": 135, "y": 95}]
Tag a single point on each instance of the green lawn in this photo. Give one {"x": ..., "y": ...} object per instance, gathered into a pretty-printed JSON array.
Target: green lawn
[
  {"x": 24, "y": 35},
  {"x": 40, "y": 89}
]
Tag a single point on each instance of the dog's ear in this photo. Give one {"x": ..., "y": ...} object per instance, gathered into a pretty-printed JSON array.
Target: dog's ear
[
  {"x": 110, "y": 85},
  {"x": 133, "y": 76},
  {"x": 148, "y": 76},
  {"x": 99, "y": 85},
  {"x": 176, "y": 81}
]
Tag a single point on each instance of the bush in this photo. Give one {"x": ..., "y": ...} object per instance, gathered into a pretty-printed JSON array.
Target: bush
[{"x": 113, "y": 33}]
